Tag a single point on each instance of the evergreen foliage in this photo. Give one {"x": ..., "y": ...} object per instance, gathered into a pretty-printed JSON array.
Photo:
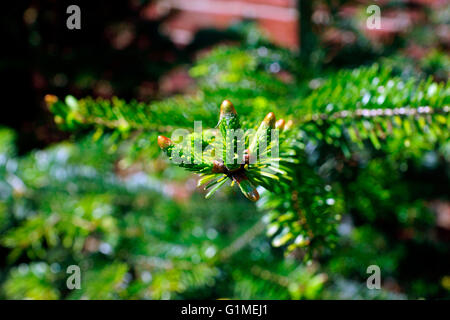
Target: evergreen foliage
[
  {"x": 363, "y": 154},
  {"x": 350, "y": 116}
]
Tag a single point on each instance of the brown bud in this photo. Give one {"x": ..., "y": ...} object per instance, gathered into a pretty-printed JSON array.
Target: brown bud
[
  {"x": 270, "y": 119},
  {"x": 280, "y": 124},
  {"x": 218, "y": 167},
  {"x": 289, "y": 124},
  {"x": 50, "y": 99},
  {"x": 253, "y": 195},
  {"x": 227, "y": 108},
  {"x": 164, "y": 142},
  {"x": 246, "y": 186}
]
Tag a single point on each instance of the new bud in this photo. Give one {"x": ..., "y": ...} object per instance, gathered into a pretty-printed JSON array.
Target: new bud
[
  {"x": 289, "y": 124},
  {"x": 253, "y": 195},
  {"x": 246, "y": 186},
  {"x": 218, "y": 167},
  {"x": 280, "y": 124},
  {"x": 50, "y": 99},
  {"x": 164, "y": 142},
  {"x": 227, "y": 109},
  {"x": 270, "y": 120}
]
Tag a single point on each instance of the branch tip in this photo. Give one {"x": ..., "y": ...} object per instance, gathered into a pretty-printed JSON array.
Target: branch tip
[
  {"x": 270, "y": 119},
  {"x": 227, "y": 108}
]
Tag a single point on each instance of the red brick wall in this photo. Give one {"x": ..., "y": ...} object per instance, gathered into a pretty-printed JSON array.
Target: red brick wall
[{"x": 278, "y": 18}]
